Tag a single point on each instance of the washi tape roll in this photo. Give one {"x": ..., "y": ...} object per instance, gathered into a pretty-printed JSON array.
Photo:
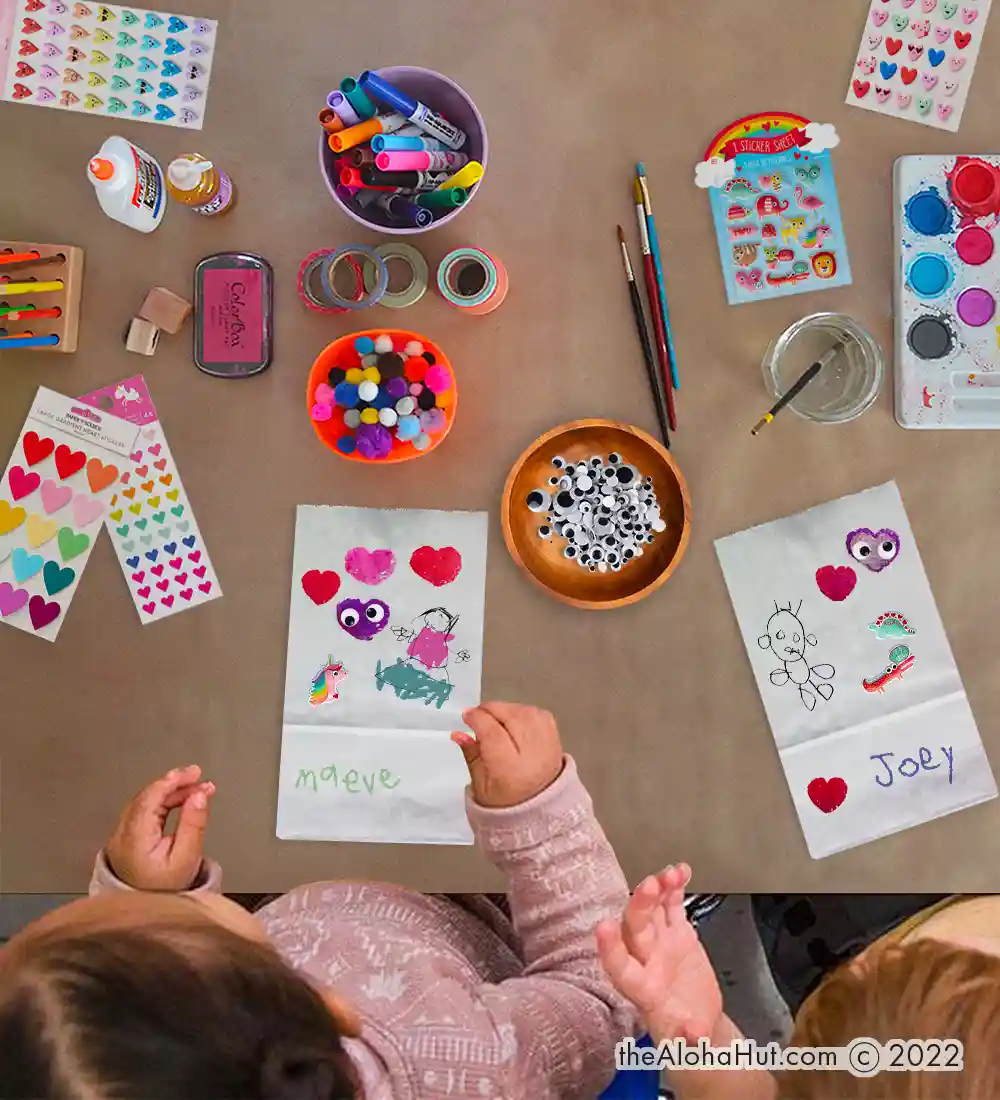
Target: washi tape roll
[
  {"x": 346, "y": 254},
  {"x": 472, "y": 280},
  {"x": 310, "y": 283},
  {"x": 419, "y": 272}
]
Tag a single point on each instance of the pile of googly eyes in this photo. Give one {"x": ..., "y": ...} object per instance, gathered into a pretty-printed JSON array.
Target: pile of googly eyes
[{"x": 604, "y": 508}]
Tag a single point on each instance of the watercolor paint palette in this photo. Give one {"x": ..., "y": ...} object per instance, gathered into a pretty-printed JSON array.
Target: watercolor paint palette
[
  {"x": 774, "y": 204},
  {"x": 916, "y": 59},
  {"x": 103, "y": 59},
  {"x": 947, "y": 291}
]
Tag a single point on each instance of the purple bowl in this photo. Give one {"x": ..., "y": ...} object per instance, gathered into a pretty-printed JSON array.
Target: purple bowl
[{"x": 441, "y": 95}]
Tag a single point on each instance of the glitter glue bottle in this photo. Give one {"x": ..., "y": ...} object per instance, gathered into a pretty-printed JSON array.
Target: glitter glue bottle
[
  {"x": 197, "y": 183},
  {"x": 129, "y": 184}
]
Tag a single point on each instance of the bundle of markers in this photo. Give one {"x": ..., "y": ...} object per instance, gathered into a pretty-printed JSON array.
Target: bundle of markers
[{"x": 396, "y": 152}]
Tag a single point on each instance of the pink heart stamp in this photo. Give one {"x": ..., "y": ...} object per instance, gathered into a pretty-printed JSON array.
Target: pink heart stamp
[
  {"x": 903, "y": 100},
  {"x": 55, "y": 496},
  {"x": 836, "y": 582},
  {"x": 11, "y": 599},
  {"x": 86, "y": 509},
  {"x": 370, "y": 566},
  {"x": 916, "y": 51},
  {"x": 879, "y": 18},
  {"x": 874, "y": 41}
]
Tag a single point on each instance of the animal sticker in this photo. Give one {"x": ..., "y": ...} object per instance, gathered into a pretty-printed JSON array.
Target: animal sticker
[
  {"x": 774, "y": 256},
  {"x": 788, "y": 640},
  {"x": 824, "y": 265},
  {"x": 772, "y": 182},
  {"x": 740, "y": 186},
  {"x": 900, "y": 661},
  {"x": 810, "y": 174},
  {"x": 876, "y": 550},
  {"x": 323, "y": 688},
  {"x": 744, "y": 255},
  {"x": 807, "y": 202},
  {"x": 891, "y": 625},
  {"x": 737, "y": 213},
  {"x": 749, "y": 280},
  {"x": 769, "y": 205},
  {"x": 815, "y": 236},
  {"x": 792, "y": 228}
]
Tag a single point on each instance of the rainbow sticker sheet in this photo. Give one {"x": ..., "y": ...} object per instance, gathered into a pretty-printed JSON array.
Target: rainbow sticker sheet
[
  {"x": 774, "y": 203},
  {"x": 102, "y": 59},
  {"x": 917, "y": 57}
]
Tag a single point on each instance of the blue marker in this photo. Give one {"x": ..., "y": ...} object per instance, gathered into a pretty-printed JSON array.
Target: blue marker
[
  {"x": 417, "y": 112},
  {"x": 385, "y": 143}
]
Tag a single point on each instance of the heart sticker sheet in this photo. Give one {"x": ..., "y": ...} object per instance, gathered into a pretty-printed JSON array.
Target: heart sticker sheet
[
  {"x": 150, "y": 520},
  {"x": 917, "y": 57},
  {"x": 103, "y": 59},
  {"x": 865, "y": 702},
  {"x": 385, "y": 641},
  {"x": 55, "y": 491},
  {"x": 775, "y": 207}
]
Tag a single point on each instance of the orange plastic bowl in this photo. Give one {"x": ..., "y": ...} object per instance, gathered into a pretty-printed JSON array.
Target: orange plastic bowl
[{"x": 342, "y": 353}]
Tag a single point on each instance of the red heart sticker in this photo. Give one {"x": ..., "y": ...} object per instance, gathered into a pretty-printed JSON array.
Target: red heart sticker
[
  {"x": 836, "y": 582},
  {"x": 862, "y": 88},
  {"x": 27, "y": 48},
  {"x": 962, "y": 39},
  {"x": 24, "y": 70},
  {"x": 827, "y": 794},
  {"x": 908, "y": 75},
  {"x": 21, "y": 91},
  {"x": 29, "y": 26},
  {"x": 33, "y": 5},
  {"x": 36, "y": 450},
  {"x": 69, "y": 462},
  {"x": 439, "y": 567},
  {"x": 319, "y": 586},
  {"x": 893, "y": 46}
]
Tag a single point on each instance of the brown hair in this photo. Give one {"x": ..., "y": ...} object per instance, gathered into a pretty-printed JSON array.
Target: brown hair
[
  {"x": 176, "y": 1009},
  {"x": 924, "y": 990}
]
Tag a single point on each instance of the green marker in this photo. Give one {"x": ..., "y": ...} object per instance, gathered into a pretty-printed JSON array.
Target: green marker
[
  {"x": 443, "y": 200},
  {"x": 357, "y": 98}
]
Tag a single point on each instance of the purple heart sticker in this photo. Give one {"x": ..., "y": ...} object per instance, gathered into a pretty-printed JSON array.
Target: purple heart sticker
[
  {"x": 188, "y": 116},
  {"x": 45, "y": 95},
  {"x": 196, "y": 49},
  {"x": 50, "y": 49}
]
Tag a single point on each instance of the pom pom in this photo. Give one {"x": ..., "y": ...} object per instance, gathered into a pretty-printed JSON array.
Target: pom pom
[
  {"x": 346, "y": 395},
  {"x": 364, "y": 345},
  {"x": 382, "y": 344}
]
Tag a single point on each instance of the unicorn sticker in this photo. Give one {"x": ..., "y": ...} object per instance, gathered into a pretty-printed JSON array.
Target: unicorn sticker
[{"x": 323, "y": 688}]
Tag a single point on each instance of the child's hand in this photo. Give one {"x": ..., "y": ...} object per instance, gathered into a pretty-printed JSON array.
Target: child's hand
[
  {"x": 515, "y": 754},
  {"x": 654, "y": 957},
  {"x": 141, "y": 854}
]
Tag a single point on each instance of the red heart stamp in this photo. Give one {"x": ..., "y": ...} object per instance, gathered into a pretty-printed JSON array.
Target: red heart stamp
[
  {"x": 862, "y": 88},
  {"x": 320, "y": 586},
  {"x": 836, "y": 582},
  {"x": 439, "y": 567},
  {"x": 827, "y": 794}
]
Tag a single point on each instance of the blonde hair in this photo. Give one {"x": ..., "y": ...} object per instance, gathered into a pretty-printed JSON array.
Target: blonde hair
[{"x": 924, "y": 990}]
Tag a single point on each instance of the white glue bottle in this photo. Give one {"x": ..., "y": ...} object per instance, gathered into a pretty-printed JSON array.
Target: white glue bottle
[{"x": 129, "y": 184}]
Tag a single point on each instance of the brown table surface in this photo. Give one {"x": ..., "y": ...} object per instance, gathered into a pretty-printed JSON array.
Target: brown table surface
[{"x": 657, "y": 701}]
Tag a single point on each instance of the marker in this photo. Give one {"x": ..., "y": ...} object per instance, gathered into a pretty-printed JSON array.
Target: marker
[
  {"x": 413, "y": 109},
  {"x": 330, "y": 121},
  {"x": 386, "y": 143},
  {"x": 444, "y": 200},
  {"x": 404, "y": 160},
  {"x": 355, "y": 135},
  {"x": 28, "y": 341},
  {"x": 357, "y": 98},
  {"x": 403, "y": 210},
  {"x": 339, "y": 102},
  {"x": 351, "y": 177},
  {"x": 360, "y": 156},
  {"x": 29, "y": 288},
  {"x": 416, "y": 181},
  {"x": 465, "y": 177}
]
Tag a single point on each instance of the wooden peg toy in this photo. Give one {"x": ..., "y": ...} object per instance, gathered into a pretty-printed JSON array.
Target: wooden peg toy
[
  {"x": 166, "y": 310},
  {"x": 46, "y": 316}
]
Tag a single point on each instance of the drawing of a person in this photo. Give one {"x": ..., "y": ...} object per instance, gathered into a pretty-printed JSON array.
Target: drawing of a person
[{"x": 429, "y": 646}]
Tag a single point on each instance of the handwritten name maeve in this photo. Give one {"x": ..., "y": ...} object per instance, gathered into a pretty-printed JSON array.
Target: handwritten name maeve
[
  {"x": 352, "y": 781},
  {"x": 910, "y": 766}
]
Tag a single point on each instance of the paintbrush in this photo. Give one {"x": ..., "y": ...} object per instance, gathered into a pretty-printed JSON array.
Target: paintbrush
[
  {"x": 799, "y": 385},
  {"x": 655, "y": 381}
]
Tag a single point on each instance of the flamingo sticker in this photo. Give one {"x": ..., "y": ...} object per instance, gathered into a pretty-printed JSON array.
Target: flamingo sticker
[{"x": 807, "y": 202}]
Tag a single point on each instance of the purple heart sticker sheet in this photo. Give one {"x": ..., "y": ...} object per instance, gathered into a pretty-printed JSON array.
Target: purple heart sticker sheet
[{"x": 916, "y": 59}]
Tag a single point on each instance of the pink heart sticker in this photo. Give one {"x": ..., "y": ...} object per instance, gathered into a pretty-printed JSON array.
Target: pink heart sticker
[
  {"x": 149, "y": 608},
  {"x": 903, "y": 100},
  {"x": 42, "y": 613},
  {"x": 86, "y": 509},
  {"x": 55, "y": 496},
  {"x": 957, "y": 64},
  {"x": 369, "y": 566},
  {"x": 200, "y": 571},
  {"x": 135, "y": 456},
  {"x": 836, "y": 582},
  {"x": 155, "y": 450},
  {"x": 139, "y": 577},
  {"x": 167, "y": 601},
  {"x": 206, "y": 587},
  {"x": 46, "y": 72},
  {"x": 879, "y": 18},
  {"x": 195, "y": 557},
  {"x": 144, "y": 592},
  {"x": 187, "y": 593},
  {"x": 11, "y": 599}
]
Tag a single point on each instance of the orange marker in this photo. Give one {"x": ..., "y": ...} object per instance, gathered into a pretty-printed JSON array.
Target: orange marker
[
  {"x": 364, "y": 131},
  {"x": 330, "y": 121}
]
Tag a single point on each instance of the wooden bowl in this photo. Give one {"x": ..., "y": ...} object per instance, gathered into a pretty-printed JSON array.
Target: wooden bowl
[
  {"x": 341, "y": 353},
  {"x": 542, "y": 559}
]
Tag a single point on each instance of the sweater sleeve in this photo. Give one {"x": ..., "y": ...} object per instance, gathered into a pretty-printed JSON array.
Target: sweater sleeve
[
  {"x": 562, "y": 1012},
  {"x": 104, "y": 880}
]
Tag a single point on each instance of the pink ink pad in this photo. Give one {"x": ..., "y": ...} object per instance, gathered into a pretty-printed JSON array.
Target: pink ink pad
[
  {"x": 234, "y": 309},
  {"x": 974, "y": 245},
  {"x": 976, "y": 307}
]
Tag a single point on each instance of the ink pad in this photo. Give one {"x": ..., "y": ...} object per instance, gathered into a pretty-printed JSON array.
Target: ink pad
[{"x": 234, "y": 314}]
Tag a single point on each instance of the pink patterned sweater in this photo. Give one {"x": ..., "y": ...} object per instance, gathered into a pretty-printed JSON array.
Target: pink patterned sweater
[{"x": 465, "y": 1004}]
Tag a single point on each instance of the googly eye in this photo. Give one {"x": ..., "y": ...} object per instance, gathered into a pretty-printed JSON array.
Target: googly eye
[
  {"x": 569, "y": 532},
  {"x": 610, "y": 540},
  {"x": 861, "y": 551},
  {"x": 538, "y": 500},
  {"x": 565, "y": 483},
  {"x": 584, "y": 482},
  {"x": 608, "y": 474},
  {"x": 597, "y": 554},
  {"x": 545, "y": 531},
  {"x": 627, "y": 475},
  {"x": 579, "y": 493},
  {"x": 570, "y": 552},
  {"x": 628, "y": 553},
  {"x": 349, "y": 618},
  {"x": 614, "y": 458},
  {"x": 564, "y": 501},
  {"x": 553, "y": 482},
  {"x": 596, "y": 462},
  {"x": 887, "y": 549},
  {"x": 570, "y": 470},
  {"x": 375, "y": 613},
  {"x": 558, "y": 461},
  {"x": 586, "y": 508}
]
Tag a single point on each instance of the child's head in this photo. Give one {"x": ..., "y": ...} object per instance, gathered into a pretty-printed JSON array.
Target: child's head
[
  {"x": 439, "y": 619},
  {"x": 162, "y": 997},
  {"x": 924, "y": 990}
]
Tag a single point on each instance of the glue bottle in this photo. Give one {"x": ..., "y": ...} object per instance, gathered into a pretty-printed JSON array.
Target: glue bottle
[
  {"x": 129, "y": 184},
  {"x": 199, "y": 185}
]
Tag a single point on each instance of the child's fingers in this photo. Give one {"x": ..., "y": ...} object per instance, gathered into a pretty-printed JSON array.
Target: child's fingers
[
  {"x": 673, "y": 882},
  {"x": 639, "y": 931},
  {"x": 150, "y": 799},
  {"x": 625, "y": 972},
  {"x": 494, "y": 740},
  {"x": 189, "y": 839},
  {"x": 471, "y": 751}
]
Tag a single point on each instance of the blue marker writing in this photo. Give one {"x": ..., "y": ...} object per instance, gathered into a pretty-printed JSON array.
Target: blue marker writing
[
  {"x": 417, "y": 112},
  {"x": 908, "y": 767}
]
